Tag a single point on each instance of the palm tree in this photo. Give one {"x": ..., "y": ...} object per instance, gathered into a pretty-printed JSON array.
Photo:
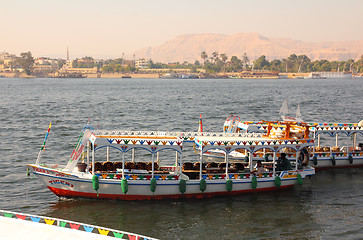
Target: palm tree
[
  {"x": 215, "y": 56},
  {"x": 204, "y": 56},
  {"x": 224, "y": 59},
  {"x": 245, "y": 60}
]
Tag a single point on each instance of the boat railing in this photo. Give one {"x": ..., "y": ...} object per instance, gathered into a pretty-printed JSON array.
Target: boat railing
[
  {"x": 207, "y": 174},
  {"x": 168, "y": 177},
  {"x": 139, "y": 176}
]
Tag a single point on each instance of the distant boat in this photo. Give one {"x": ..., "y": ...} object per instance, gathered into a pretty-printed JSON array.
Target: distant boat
[
  {"x": 324, "y": 75},
  {"x": 70, "y": 75},
  {"x": 170, "y": 76},
  {"x": 179, "y": 75},
  {"x": 315, "y": 76},
  {"x": 284, "y": 111}
]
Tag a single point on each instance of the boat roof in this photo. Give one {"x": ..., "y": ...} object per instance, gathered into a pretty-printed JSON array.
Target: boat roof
[
  {"x": 152, "y": 141},
  {"x": 329, "y": 128},
  {"x": 334, "y": 128},
  {"x": 251, "y": 144},
  {"x": 155, "y": 141},
  {"x": 125, "y": 143}
]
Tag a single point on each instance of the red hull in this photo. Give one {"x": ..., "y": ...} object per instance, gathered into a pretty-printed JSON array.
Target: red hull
[{"x": 68, "y": 193}]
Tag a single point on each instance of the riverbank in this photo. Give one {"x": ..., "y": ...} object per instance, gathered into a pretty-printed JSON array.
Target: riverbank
[
  {"x": 157, "y": 75},
  {"x": 89, "y": 75}
]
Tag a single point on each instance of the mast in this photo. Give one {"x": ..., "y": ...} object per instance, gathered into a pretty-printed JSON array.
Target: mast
[{"x": 298, "y": 71}]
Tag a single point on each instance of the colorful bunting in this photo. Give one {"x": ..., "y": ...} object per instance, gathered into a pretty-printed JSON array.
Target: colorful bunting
[{"x": 73, "y": 225}]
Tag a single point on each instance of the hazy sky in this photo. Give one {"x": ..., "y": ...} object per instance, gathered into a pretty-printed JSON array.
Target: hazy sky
[{"x": 107, "y": 28}]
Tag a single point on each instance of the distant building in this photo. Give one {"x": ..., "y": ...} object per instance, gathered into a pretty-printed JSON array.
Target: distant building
[
  {"x": 68, "y": 68},
  {"x": 45, "y": 61},
  {"x": 7, "y": 58},
  {"x": 142, "y": 63}
]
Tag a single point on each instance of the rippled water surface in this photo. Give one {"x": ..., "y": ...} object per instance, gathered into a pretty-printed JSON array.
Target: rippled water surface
[{"x": 327, "y": 206}]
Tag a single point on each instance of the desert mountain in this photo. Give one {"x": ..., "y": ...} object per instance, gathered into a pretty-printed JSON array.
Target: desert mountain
[{"x": 189, "y": 47}]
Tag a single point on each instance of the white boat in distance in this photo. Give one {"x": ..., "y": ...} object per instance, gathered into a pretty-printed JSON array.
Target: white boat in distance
[
  {"x": 284, "y": 111},
  {"x": 128, "y": 179}
]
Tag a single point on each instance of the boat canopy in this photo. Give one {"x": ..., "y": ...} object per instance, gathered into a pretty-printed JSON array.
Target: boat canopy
[
  {"x": 329, "y": 128},
  {"x": 152, "y": 144},
  {"x": 334, "y": 128},
  {"x": 251, "y": 144},
  {"x": 251, "y": 126},
  {"x": 152, "y": 141}
]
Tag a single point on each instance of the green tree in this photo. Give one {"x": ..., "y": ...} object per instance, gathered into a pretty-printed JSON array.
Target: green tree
[
  {"x": 26, "y": 62},
  {"x": 261, "y": 63},
  {"x": 61, "y": 62},
  {"x": 276, "y": 65},
  {"x": 292, "y": 57},
  {"x": 235, "y": 64}
]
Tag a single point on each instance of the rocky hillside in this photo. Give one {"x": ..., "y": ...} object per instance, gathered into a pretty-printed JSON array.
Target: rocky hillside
[{"x": 189, "y": 47}]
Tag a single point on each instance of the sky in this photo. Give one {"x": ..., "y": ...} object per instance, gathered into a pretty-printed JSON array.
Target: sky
[{"x": 108, "y": 28}]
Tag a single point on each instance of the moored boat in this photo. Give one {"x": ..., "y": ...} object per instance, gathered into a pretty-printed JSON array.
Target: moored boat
[
  {"x": 128, "y": 179},
  {"x": 347, "y": 151}
]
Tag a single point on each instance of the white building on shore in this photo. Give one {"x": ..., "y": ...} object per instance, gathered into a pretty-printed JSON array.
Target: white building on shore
[{"x": 330, "y": 75}]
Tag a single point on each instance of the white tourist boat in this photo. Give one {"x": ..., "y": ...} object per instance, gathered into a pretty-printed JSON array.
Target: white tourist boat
[
  {"x": 328, "y": 155},
  {"x": 124, "y": 177},
  {"x": 344, "y": 152}
]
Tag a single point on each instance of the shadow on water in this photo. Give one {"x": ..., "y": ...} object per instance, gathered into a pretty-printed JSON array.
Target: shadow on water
[
  {"x": 257, "y": 215},
  {"x": 310, "y": 211}
]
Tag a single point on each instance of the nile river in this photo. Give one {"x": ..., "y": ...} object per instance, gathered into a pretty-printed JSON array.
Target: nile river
[{"x": 327, "y": 206}]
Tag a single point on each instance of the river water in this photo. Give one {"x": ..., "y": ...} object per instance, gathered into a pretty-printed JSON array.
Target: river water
[{"x": 327, "y": 206}]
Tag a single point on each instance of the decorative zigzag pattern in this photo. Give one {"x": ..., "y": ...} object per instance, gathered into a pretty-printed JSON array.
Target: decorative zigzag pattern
[{"x": 75, "y": 225}]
